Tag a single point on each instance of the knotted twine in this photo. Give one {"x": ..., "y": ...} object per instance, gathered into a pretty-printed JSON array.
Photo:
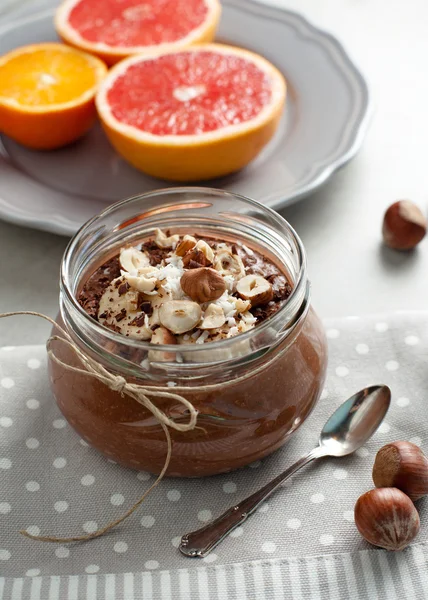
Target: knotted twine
[{"x": 117, "y": 383}]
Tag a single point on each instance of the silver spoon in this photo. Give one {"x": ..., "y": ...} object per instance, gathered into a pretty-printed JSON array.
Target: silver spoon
[{"x": 348, "y": 428}]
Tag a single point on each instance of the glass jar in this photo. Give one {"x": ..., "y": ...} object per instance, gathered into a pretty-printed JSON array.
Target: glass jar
[{"x": 251, "y": 391}]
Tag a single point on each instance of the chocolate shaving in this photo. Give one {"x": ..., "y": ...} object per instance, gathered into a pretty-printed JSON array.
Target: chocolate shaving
[
  {"x": 123, "y": 288},
  {"x": 139, "y": 320},
  {"x": 156, "y": 255},
  {"x": 146, "y": 308},
  {"x": 120, "y": 316}
]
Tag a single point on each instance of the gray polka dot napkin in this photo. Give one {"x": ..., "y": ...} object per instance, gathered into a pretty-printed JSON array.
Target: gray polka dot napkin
[{"x": 302, "y": 543}]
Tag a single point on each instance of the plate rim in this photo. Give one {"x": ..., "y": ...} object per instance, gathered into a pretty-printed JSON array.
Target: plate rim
[{"x": 277, "y": 200}]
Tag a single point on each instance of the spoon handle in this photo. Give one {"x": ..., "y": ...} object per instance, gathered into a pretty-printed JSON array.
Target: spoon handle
[{"x": 199, "y": 543}]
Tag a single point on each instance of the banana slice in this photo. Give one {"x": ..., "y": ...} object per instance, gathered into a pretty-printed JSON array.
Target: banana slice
[
  {"x": 119, "y": 311},
  {"x": 132, "y": 260},
  {"x": 180, "y": 316},
  {"x": 256, "y": 289}
]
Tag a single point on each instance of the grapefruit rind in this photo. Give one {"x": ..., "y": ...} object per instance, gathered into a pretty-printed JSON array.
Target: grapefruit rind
[
  {"x": 198, "y": 157},
  {"x": 112, "y": 54}
]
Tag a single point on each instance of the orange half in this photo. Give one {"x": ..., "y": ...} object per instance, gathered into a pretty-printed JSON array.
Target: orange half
[{"x": 47, "y": 94}]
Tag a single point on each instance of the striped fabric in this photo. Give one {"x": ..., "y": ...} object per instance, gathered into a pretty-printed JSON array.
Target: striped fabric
[{"x": 365, "y": 575}]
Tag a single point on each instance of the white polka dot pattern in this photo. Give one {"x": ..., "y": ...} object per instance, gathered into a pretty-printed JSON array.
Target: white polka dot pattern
[
  {"x": 32, "y": 486},
  {"x": 147, "y": 521},
  {"x": 117, "y": 499},
  {"x": 33, "y": 363},
  {"x": 61, "y": 506},
  {"x": 268, "y": 547},
  {"x": 326, "y": 539},
  {"x": 173, "y": 495},
  {"x": 33, "y": 404},
  {"x": 317, "y": 498},
  {"x": 90, "y": 526},
  {"x": 7, "y": 383},
  {"x": 120, "y": 547},
  {"x": 294, "y": 524},
  {"x": 204, "y": 515},
  {"x": 62, "y": 552}
]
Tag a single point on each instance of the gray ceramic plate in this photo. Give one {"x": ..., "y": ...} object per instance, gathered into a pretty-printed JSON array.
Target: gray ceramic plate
[{"x": 322, "y": 127}]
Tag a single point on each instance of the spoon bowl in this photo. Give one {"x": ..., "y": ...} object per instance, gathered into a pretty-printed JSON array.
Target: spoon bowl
[{"x": 355, "y": 421}]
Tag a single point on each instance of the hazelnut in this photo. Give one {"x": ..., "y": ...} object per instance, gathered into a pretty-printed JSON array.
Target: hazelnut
[
  {"x": 143, "y": 282},
  {"x": 201, "y": 254},
  {"x": 256, "y": 289},
  {"x": 404, "y": 225},
  {"x": 242, "y": 305},
  {"x": 186, "y": 244},
  {"x": 402, "y": 465},
  {"x": 387, "y": 518},
  {"x": 162, "y": 336},
  {"x": 132, "y": 260},
  {"x": 180, "y": 316},
  {"x": 164, "y": 242},
  {"x": 214, "y": 317},
  {"x": 203, "y": 284},
  {"x": 229, "y": 264}
]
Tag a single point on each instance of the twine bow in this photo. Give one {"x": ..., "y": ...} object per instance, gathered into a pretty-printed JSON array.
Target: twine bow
[{"x": 140, "y": 393}]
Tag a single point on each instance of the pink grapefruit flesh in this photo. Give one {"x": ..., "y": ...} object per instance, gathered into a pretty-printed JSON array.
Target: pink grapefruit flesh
[
  {"x": 189, "y": 93},
  {"x": 135, "y": 23}
]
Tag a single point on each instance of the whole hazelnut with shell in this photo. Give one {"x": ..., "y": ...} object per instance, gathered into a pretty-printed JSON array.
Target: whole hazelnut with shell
[
  {"x": 203, "y": 284},
  {"x": 402, "y": 465},
  {"x": 404, "y": 225},
  {"x": 387, "y": 518}
]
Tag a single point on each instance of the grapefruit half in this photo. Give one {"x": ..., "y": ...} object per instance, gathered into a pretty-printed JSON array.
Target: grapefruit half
[
  {"x": 47, "y": 94},
  {"x": 115, "y": 29},
  {"x": 193, "y": 114}
]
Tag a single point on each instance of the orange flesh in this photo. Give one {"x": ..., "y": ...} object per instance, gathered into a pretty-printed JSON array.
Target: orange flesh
[{"x": 46, "y": 77}]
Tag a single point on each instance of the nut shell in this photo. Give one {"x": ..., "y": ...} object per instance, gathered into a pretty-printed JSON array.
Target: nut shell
[
  {"x": 387, "y": 518},
  {"x": 203, "y": 284},
  {"x": 402, "y": 465},
  {"x": 404, "y": 225}
]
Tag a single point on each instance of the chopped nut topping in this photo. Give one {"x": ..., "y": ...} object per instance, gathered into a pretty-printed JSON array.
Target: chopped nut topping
[
  {"x": 256, "y": 289},
  {"x": 186, "y": 290}
]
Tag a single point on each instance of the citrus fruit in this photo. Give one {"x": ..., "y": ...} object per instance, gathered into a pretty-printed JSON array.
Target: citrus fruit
[
  {"x": 192, "y": 114},
  {"x": 115, "y": 29},
  {"x": 47, "y": 94}
]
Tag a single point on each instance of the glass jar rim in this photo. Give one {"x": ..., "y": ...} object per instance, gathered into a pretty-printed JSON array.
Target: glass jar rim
[{"x": 298, "y": 296}]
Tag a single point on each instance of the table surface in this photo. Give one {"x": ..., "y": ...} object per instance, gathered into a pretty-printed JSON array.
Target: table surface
[{"x": 351, "y": 272}]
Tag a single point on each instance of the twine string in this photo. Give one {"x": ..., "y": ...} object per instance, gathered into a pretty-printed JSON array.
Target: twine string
[{"x": 117, "y": 383}]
